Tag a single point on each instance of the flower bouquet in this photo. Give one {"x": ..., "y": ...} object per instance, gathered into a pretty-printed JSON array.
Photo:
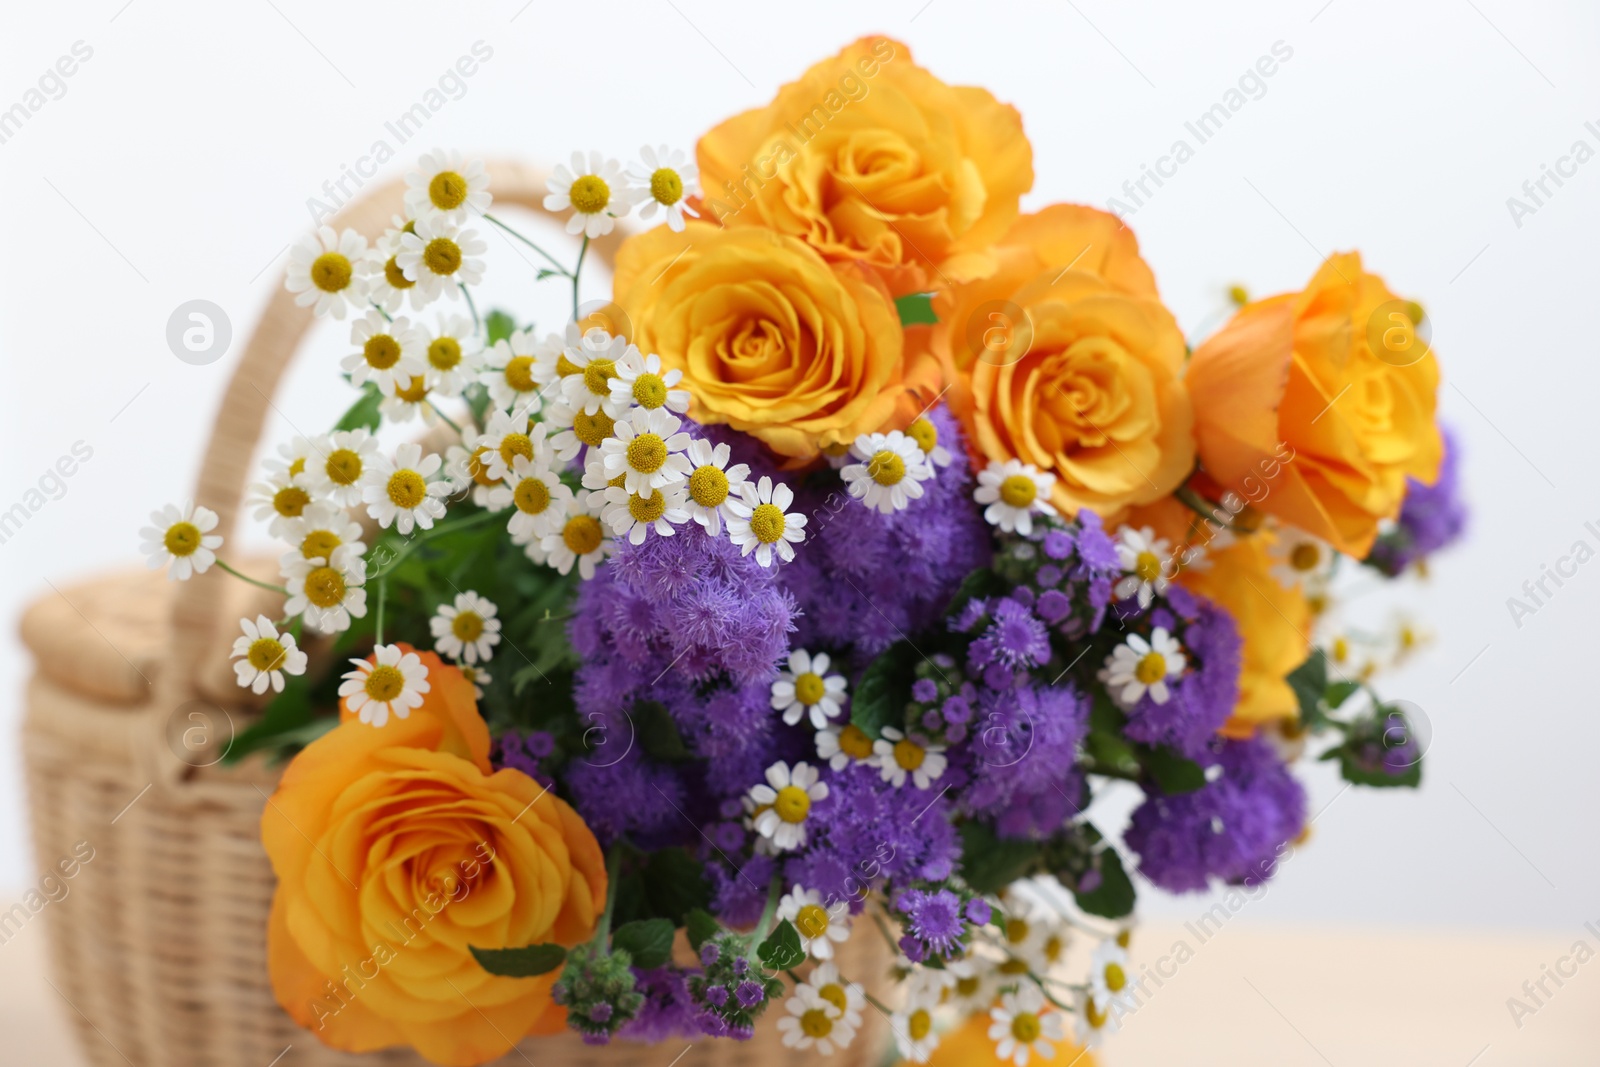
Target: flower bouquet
[{"x": 806, "y": 599}]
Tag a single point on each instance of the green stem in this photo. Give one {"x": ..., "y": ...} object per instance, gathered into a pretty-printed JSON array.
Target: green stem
[
  {"x": 764, "y": 927},
  {"x": 552, "y": 259},
  {"x": 379, "y": 309},
  {"x": 613, "y": 870},
  {"x": 377, "y": 620},
  {"x": 252, "y": 581},
  {"x": 438, "y": 531},
  {"x": 477, "y": 323},
  {"x": 1040, "y": 982},
  {"x": 876, "y": 1003},
  {"x": 583, "y": 250}
]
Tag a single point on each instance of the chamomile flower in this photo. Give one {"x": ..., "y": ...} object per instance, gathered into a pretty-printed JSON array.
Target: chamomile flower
[
  {"x": 387, "y": 285},
  {"x": 320, "y": 529},
  {"x": 1095, "y": 1019},
  {"x": 848, "y": 997},
  {"x": 1109, "y": 979},
  {"x": 326, "y": 593},
  {"x": 632, "y": 515},
  {"x": 593, "y": 363},
  {"x": 328, "y": 270},
  {"x": 640, "y": 380},
  {"x": 279, "y": 500},
  {"x": 912, "y": 1027},
  {"x": 1143, "y": 558},
  {"x": 783, "y": 802},
  {"x": 451, "y": 355},
  {"x": 814, "y": 1023},
  {"x": 511, "y": 370},
  {"x": 298, "y": 455},
  {"x": 578, "y": 430},
  {"x": 807, "y": 688},
  {"x": 1138, "y": 666},
  {"x": 1021, "y": 1026},
  {"x": 889, "y": 471},
  {"x": 397, "y": 492},
  {"x": 593, "y": 188},
  {"x": 760, "y": 521},
  {"x": 1298, "y": 559},
  {"x": 926, "y": 435},
  {"x": 265, "y": 656},
  {"x": 181, "y": 537},
  {"x": 507, "y": 436},
  {"x": 898, "y": 757},
  {"x": 444, "y": 188},
  {"x": 581, "y": 540},
  {"x": 411, "y": 400},
  {"x": 1014, "y": 492},
  {"x": 344, "y": 456},
  {"x": 837, "y": 454},
  {"x": 479, "y": 678},
  {"x": 441, "y": 257},
  {"x": 647, "y": 449},
  {"x": 819, "y": 926},
  {"x": 467, "y": 467},
  {"x": 390, "y": 683},
  {"x": 388, "y": 354},
  {"x": 466, "y": 630},
  {"x": 843, "y": 745},
  {"x": 712, "y": 483},
  {"x": 540, "y": 498},
  {"x": 664, "y": 180}
]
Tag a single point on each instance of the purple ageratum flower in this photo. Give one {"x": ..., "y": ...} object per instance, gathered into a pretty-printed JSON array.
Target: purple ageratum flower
[
  {"x": 1432, "y": 517},
  {"x": 1233, "y": 828},
  {"x": 1199, "y": 702},
  {"x": 978, "y": 911},
  {"x": 667, "y": 1011},
  {"x": 1015, "y": 640},
  {"x": 522, "y": 751},
  {"x": 750, "y": 994},
  {"x": 924, "y": 690},
  {"x": 933, "y": 921},
  {"x": 1023, "y": 758}
]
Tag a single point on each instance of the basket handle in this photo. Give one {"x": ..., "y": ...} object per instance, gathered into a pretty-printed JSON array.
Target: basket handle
[{"x": 197, "y": 625}]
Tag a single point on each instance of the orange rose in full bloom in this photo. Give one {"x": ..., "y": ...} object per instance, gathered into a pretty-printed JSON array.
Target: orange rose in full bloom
[
  {"x": 771, "y": 339},
  {"x": 1337, "y": 374},
  {"x": 1065, "y": 358},
  {"x": 869, "y": 158},
  {"x": 398, "y": 847}
]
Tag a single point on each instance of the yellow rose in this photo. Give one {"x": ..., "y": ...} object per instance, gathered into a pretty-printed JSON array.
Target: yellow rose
[
  {"x": 771, "y": 339},
  {"x": 869, "y": 158},
  {"x": 1065, "y": 358},
  {"x": 397, "y": 848},
  {"x": 1335, "y": 377},
  {"x": 969, "y": 1045}
]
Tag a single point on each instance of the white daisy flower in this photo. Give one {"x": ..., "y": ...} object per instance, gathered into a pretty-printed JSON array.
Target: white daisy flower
[
  {"x": 819, "y": 926},
  {"x": 514, "y": 373},
  {"x": 1094, "y": 1020},
  {"x": 181, "y": 537},
  {"x": 837, "y": 454},
  {"x": 926, "y": 435},
  {"x": 444, "y": 188},
  {"x": 807, "y": 687},
  {"x": 452, "y": 355},
  {"x": 280, "y": 500},
  {"x": 593, "y": 365},
  {"x": 540, "y": 497},
  {"x": 1109, "y": 979},
  {"x": 328, "y": 270},
  {"x": 578, "y": 431},
  {"x": 467, "y": 467},
  {"x": 320, "y": 529},
  {"x": 1298, "y": 559},
  {"x": 761, "y": 522},
  {"x": 397, "y": 492},
  {"x": 848, "y": 997},
  {"x": 509, "y": 435},
  {"x": 265, "y": 656},
  {"x": 1014, "y": 491},
  {"x": 391, "y": 683},
  {"x": 814, "y": 1023},
  {"x": 441, "y": 257},
  {"x": 1021, "y": 1026},
  {"x": 1143, "y": 557},
  {"x": 898, "y": 756},
  {"x": 647, "y": 448},
  {"x": 326, "y": 593},
  {"x": 783, "y": 801},
  {"x": 1137, "y": 665},
  {"x": 298, "y": 455},
  {"x": 593, "y": 188},
  {"x": 912, "y": 1027},
  {"x": 387, "y": 285},
  {"x": 664, "y": 181},
  {"x": 890, "y": 473},
  {"x": 479, "y": 678},
  {"x": 712, "y": 483},
  {"x": 632, "y": 515},
  {"x": 843, "y": 745},
  {"x": 388, "y": 354},
  {"x": 343, "y": 458},
  {"x": 640, "y": 380},
  {"x": 466, "y": 630},
  {"x": 581, "y": 540},
  {"x": 411, "y": 400}
]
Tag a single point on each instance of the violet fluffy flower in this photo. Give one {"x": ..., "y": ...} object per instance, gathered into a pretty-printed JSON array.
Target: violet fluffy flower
[
  {"x": 523, "y": 751},
  {"x": 1014, "y": 641},
  {"x": 1024, "y": 758},
  {"x": 1201, "y": 700},
  {"x": 1432, "y": 517},
  {"x": 933, "y": 923}
]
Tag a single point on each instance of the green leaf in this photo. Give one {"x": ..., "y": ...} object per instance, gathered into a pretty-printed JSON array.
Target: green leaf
[
  {"x": 989, "y": 863},
  {"x": 363, "y": 413},
  {"x": 1337, "y": 693},
  {"x": 1357, "y": 772},
  {"x": 1310, "y": 684},
  {"x": 657, "y": 732},
  {"x": 782, "y": 950},
  {"x": 700, "y": 927},
  {"x": 669, "y": 885},
  {"x": 648, "y": 941},
  {"x": 1114, "y": 896},
  {"x": 916, "y": 309},
  {"x": 528, "y": 962},
  {"x": 288, "y": 712},
  {"x": 881, "y": 696},
  {"x": 1173, "y": 773},
  {"x": 499, "y": 325},
  {"x": 982, "y": 582}
]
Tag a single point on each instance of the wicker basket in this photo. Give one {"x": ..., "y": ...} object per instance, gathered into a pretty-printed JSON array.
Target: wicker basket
[{"x": 161, "y": 950}]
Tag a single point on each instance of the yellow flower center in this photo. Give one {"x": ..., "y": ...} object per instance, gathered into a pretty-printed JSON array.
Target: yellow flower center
[
  {"x": 650, "y": 390},
  {"x": 343, "y": 466},
  {"x": 1152, "y": 667},
  {"x": 385, "y": 683},
  {"x": 1147, "y": 566},
  {"x": 816, "y": 1023},
  {"x": 531, "y": 496},
  {"x": 919, "y": 1023},
  {"x": 854, "y": 742},
  {"x": 467, "y": 625},
  {"x": 834, "y": 994},
  {"x": 290, "y": 501},
  {"x": 924, "y": 433},
  {"x": 1052, "y": 948},
  {"x": 319, "y": 544},
  {"x": 766, "y": 522},
  {"x": 809, "y": 687},
  {"x": 444, "y": 353},
  {"x": 1116, "y": 977},
  {"x": 1016, "y": 931},
  {"x": 811, "y": 921},
  {"x": 908, "y": 754},
  {"x": 967, "y": 987},
  {"x": 836, "y": 449},
  {"x": 1014, "y": 966},
  {"x": 266, "y": 654},
  {"x": 513, "y": 445},
  {"x": 182, "y": 538},
  {"x": 406, "y": 489},
  {"x": 592, "y": 429},
  {"x": 448, "y": 190},
  {"x": 331, "y": 272},
  {"x": 325, "y": 587},
  {"x": 1124, "y": 938},
  {"x": 413, "y": 392},
  {"x": 1341, "y": 650},
  {"x": 298, "y": 466},
  {"x": 619, "y": 482},
  {"x": 1019, "y": 490},
  {"x": 646, "y": 453},
  {"x": 381, "y": 351},
  {"x": 394, "y": 275},
  {"x": 647, "y": 508},
  {"x": 708, "y": 486},
  {"x": 478, "y": 468},
  {"x": 597, "y": 376},
  {"x": 519, "y": 373},
  {"x": 590, "y": 194},
  {"x": 565, "y": 367},
  {"x": 582, "y": 534},
  {"x": 443, "y": 256},
  {"x": 1305, "y": 557},
  {"x": 1025, "y": 1027},
  {"x": 886, "y": 467},
  {"x": 792, "y": 804},
  {"x": 665, "y": 186},
  {"x": 1092, "y": 1014}
]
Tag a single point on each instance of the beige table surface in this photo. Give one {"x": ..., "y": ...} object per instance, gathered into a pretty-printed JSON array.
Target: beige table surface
[{"x": 1251, "y": 995}]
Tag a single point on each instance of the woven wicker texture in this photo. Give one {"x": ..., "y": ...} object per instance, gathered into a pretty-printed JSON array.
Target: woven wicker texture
[{"x": 162, "y": 954}]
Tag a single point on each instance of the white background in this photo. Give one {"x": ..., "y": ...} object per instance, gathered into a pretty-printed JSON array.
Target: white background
[{"x": 177, "y": 166}]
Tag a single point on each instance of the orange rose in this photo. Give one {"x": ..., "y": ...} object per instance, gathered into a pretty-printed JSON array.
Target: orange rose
[
  {"x": 869, "y": 158},
  {"x": 1066, "y": 359},
  {"x": 396, "y": 848},
  {"x": 969, "y": 1045},
  {"x": 771, "y": 339},
  {"x": 1336, "y": 374}
]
